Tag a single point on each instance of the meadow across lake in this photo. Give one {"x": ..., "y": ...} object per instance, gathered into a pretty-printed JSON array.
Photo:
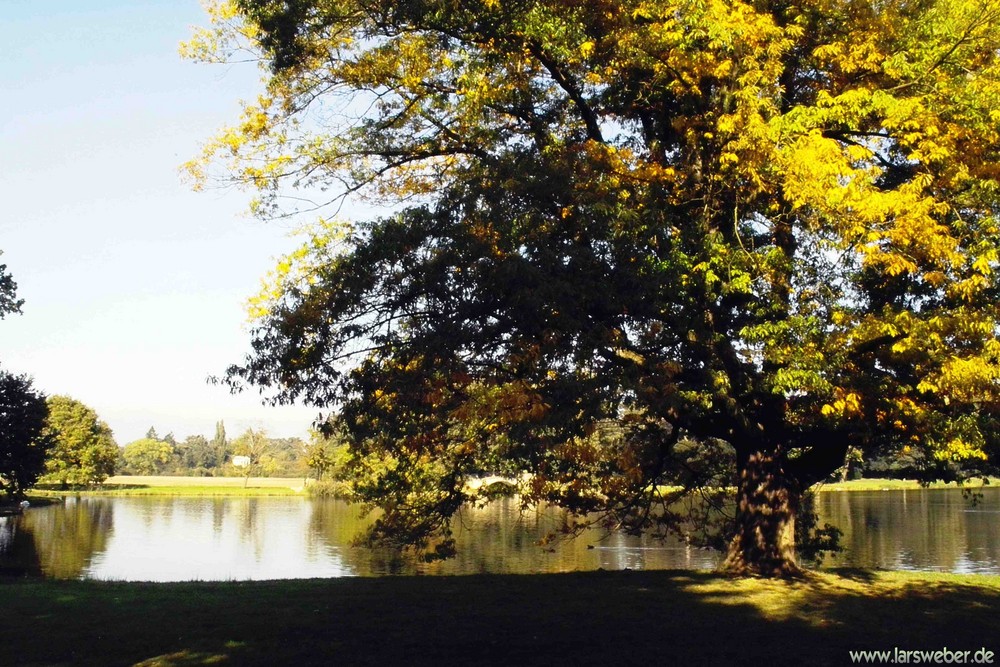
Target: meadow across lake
[
  {"x": 596, "y": 618},
  {"x": 162, "y": 485}
]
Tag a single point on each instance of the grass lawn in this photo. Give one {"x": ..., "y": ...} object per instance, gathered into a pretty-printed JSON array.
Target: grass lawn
[
  {"x": 597, "y": 618},
  {"x": 133, "y": 485},
  {"x": 894, "y": 484}
]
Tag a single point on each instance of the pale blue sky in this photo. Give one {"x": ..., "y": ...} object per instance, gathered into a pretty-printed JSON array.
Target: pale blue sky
[{"x": 133, "y": 284}]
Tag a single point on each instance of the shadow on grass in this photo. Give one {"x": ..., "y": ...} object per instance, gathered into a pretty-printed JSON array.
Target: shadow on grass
[{"x": 689, "y": 618}]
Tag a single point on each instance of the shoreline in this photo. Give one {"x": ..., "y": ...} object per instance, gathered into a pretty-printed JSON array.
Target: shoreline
[{"x": 125, "y": 485}]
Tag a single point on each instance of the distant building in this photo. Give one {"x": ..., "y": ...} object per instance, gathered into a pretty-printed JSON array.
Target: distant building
[{"x": 241, "y": 461}]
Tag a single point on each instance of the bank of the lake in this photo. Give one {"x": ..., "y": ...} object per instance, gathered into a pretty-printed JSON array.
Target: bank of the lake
[
  {"x": 160, "y": 485},
  {"x": 880, "y": 484},
  {"x": 606, "y": 618}
]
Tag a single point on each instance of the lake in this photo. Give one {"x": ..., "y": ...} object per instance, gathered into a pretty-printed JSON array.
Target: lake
[{"x": 177, "y": 539}]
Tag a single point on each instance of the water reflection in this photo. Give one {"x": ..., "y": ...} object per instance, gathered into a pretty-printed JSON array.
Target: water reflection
[
  {"x": 919, "y": 529},
  {"x": 57, "y": 541},
  {"x": 169, "y": 539}
]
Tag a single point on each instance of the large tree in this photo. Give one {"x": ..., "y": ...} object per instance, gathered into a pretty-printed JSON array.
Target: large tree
[
  {"x": 23, "y": 441},
  {"x": 84, "y": 450},
  {"x": 635, "y": 244}
]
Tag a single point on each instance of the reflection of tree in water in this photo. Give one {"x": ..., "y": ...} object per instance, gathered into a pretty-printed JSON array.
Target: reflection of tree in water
[
  {"x": 218, "y": 515},
  {"x": 248, "y": 519},
  {"x": 66, "y": 537},
  {"x": 18, "y": 556},
  {"x": 334, "y": 525},
  {"x": 154, "y": 510},
  {"x": 983, "y": 536},
  {"x": 501, "y": 537},
  {"x": 7, "y": 528},
  {"x": 922, "y": 528},
  {"x": 504, "y": 537}
]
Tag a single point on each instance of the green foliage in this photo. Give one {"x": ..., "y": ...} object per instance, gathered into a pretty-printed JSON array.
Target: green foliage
[
  {"x": 220, "y": 445},
  {"x": 328, "y": 453},
  {"x": 84, "y": 450},
  {"x": 195, "y": 455},
  {"x": 9, "y": 303},
  {"x": 23, "y": 411},
  {"x": 147, "y": 456},
  {"x": 24, "y": 442},
  {"x": 256, "y": 446},
  {"x": 771, "y": 225}
]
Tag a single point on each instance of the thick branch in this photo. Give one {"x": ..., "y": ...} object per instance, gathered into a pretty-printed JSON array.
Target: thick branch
[{"x": 567, "y": 84}]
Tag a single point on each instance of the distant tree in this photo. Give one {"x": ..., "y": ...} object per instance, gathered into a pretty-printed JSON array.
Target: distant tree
[
  {"x": 147, "y": 456},
  {"x": 327, "y": 454},
  {"x": 195, "y": 454},
  {"x": 24, "y": 442},
  {"x": 151, "y": 434},
  {"x": 255, "y": 446},
  {"x": 84, "y": 450},
  {"x": 169, "y": 439},
  {"x": 289, "y": 456},
  {"x": 220, "y": 445}
]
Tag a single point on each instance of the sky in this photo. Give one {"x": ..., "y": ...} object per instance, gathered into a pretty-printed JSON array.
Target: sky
[{"x": 134, "y": 284}]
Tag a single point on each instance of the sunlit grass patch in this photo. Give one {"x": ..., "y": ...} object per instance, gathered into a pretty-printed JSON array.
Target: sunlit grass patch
[{"x": 899, "y": 484}]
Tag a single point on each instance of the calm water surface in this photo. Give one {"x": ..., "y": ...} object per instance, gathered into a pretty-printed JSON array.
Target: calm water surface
[
  {"x": 173, "y": 539},
  {"x": 919, "y": 529}
]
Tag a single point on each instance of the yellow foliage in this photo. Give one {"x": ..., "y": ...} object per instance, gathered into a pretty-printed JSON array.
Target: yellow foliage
[
  {"x": 846, "y": 404},
  {"x": 760, "y": 164}
]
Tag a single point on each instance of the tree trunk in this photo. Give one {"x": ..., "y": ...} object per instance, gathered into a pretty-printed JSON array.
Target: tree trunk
[{"x": 766, "y": 505}]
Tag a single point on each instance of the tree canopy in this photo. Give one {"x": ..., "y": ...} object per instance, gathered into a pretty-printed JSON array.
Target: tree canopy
[
  {"x": 147, "y": 456},
  {"x": 23, "y": 442},
  {"x": 634, "y": 247},
  {"x": 9, "y": 303},
  {"x": 255, "y": 447},
  {"x": 84, "y": 450}
]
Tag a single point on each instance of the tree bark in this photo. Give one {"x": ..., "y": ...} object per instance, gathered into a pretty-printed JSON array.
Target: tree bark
[{"x": 766, "y": 506}]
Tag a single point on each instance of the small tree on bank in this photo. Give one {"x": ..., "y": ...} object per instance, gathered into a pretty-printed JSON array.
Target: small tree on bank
[
  {"x": 766, "y": 228},
  {"x": 254, "y": 446}
]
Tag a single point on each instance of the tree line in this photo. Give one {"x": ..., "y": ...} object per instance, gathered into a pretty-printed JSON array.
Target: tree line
[
  {"x": 58, "y": 440},
  {"x": 252, "y": 452}
]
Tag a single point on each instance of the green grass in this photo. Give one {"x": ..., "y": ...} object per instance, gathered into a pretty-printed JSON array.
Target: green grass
[
  {"x": 894, "y": 484},
  {"x": 597, "y": 618},
  {"x": 124, "y": 485},
  {"x": 280, "y": 486},
  {"x": 139, "y": 490}
]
